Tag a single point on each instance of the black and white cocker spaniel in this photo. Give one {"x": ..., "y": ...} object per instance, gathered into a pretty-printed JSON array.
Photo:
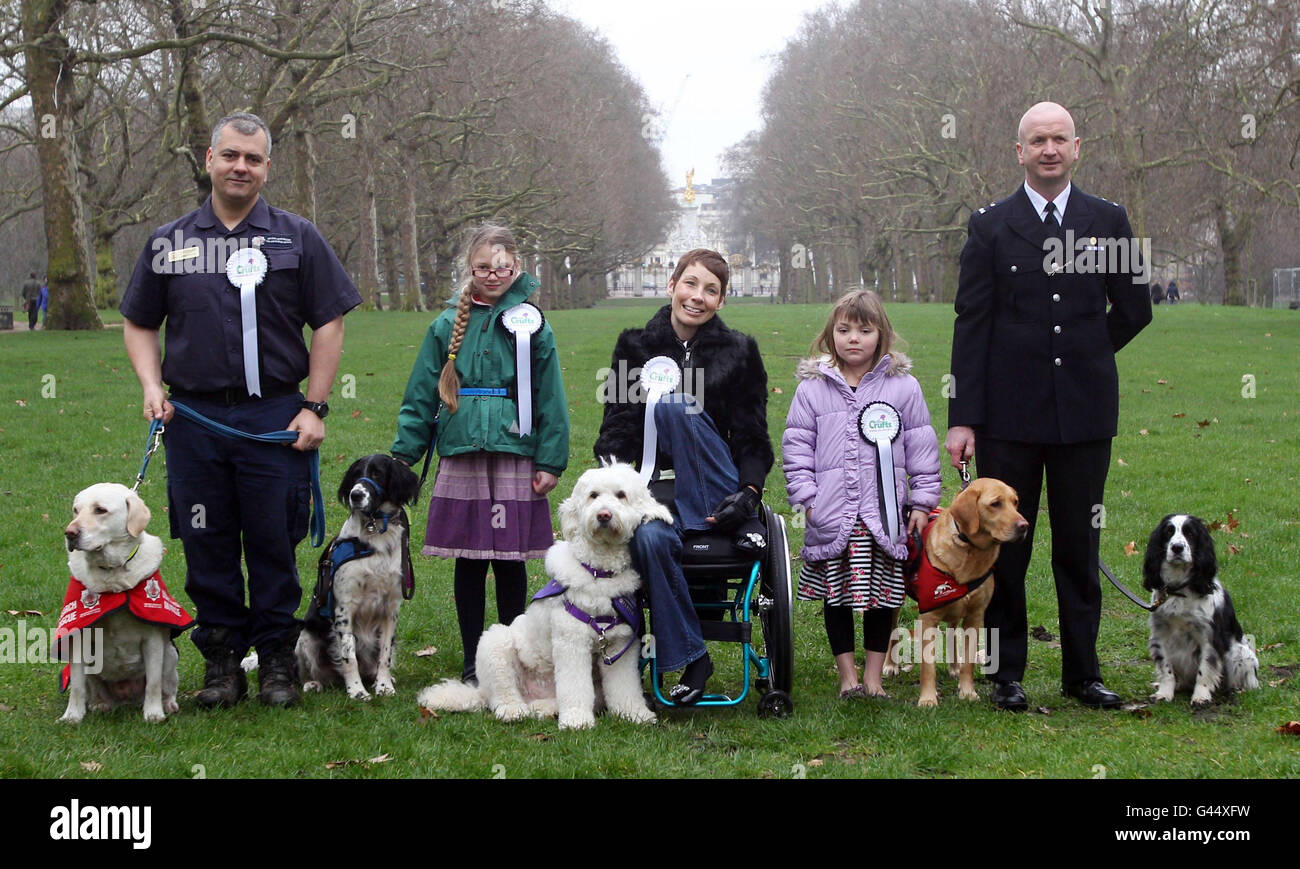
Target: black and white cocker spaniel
[
  {"x": 363, "y": 576},
  {"x": 1196, "y": 641}
]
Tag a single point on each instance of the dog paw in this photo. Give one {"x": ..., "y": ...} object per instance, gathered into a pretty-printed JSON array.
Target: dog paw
[
  {"x": 1162, "y": 697},
  {"x": 544, "y": 708},
  {"x": 70, "y": 718},
  {"x": 577, "y": 721},
  {"x": 969, "y": 694},
  {"x": 928, "y": 701},
  {"x": 1201, "y": 696},
  {"x": 312, "y": 687},
  {"x": 510, "y": 711},
  {"x": 359, "y": 693},
  {"x": 154, "y": 716},
  {"x": 889, "y": 670},
  {"x": 170, "y": 705},
  {"x": 642, "y": 715},
  {"x": 385, "y": 689}
]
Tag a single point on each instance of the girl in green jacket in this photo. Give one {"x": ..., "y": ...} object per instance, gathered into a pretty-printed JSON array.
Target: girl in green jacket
[{"x": 499, "y": 455}]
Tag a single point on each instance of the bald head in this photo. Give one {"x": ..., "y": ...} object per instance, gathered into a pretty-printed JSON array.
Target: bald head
[{"x": 1047, "y": 147}]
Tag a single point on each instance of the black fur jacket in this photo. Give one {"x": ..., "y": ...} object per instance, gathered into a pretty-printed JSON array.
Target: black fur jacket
[{"x": 721, "y": 367}]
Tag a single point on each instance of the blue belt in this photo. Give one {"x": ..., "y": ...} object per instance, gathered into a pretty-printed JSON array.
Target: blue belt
[
  {"x": 483, "y": 390},
  {"x": 284, "y": 436}
]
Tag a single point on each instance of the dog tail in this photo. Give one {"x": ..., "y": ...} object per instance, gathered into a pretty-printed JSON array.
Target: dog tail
[
  {"x": 452, "y": 695},
  {"x": 1243, "y": 668}
]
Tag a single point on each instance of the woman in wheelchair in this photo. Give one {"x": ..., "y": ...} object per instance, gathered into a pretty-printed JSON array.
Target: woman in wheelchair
[{"x": 697, "y": 415}]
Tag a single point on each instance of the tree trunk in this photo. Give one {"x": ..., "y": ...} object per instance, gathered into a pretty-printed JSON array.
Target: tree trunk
[
  {"x": 194, "y": 116},
  {"x": 369, "y": 277},
  {"x": 49, "y": 82},
  {"x": 410, "y": 240},
  {"x": 1232, "y": 240},
  {"x": 388, "y": 241},
  {"x": 302, "y": 196}
]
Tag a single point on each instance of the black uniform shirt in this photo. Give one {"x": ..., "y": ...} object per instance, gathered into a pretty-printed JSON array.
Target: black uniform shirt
[{"x": 181, "y": 278}]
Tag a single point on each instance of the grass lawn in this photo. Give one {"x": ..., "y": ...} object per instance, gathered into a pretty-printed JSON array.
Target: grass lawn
[{"x": 1209, "y": 414}]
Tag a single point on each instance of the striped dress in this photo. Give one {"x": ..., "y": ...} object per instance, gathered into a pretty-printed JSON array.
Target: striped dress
[
  {"x": 483, "y": 506},
  {"x": 862, "y": 577}
]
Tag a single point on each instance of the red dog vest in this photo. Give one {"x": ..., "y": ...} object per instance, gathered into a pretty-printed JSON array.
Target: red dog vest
[
  {"x": 926, "y": 584},
  {"x": 149, "y": 601}
]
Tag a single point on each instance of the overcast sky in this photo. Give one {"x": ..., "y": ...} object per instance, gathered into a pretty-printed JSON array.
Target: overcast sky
[{"x": 726, "y": 47}]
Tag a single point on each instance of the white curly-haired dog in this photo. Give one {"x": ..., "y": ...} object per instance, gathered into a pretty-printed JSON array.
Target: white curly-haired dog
[{"x": 574, "y": 651}]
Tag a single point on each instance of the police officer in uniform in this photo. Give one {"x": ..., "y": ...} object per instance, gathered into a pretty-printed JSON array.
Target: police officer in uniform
[
  {"x": 1036, "y": 391},
  {"x": 220, "y": 490}
]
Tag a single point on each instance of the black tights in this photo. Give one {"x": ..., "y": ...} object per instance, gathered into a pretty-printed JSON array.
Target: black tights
[
  {"x": 875, "y": 628},
  {"x": 470, "y": 588}
]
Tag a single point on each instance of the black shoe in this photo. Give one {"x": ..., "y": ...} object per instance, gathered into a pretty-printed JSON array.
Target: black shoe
[
  {"x": 696, "y": 675},
  {"x": 1010, "y": 696},
  {"x": 1093, "y": 693},
  {"x": 277, "y": 673},
  {"x": 469, "y": 676},
  {"x": 224, "y": 682}
]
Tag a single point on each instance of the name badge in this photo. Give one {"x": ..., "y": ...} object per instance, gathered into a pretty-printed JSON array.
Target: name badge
[{"x": 183, "y": 254}]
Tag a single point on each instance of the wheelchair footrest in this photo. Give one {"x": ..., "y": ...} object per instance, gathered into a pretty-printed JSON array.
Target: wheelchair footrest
[{"x": 726, "y": 632}]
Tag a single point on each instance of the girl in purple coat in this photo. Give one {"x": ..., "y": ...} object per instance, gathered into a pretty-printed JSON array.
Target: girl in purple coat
[{"x": 858, "y": 410}]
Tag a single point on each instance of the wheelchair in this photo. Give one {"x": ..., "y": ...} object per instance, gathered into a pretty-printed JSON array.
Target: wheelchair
[{"x": 730, "y": 589}]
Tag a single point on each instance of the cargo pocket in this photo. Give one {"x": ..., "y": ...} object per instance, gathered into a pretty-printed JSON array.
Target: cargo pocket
[{"x": 298, "y": 511}]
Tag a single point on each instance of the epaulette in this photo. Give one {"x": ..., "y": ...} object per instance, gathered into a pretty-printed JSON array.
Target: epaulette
[{"x": 986, "y": 208}]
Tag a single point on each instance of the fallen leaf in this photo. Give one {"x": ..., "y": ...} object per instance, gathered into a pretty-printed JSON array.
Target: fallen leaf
[
  {"x": 816, "y": 761},
  {"x": 1272, "y": 646},
  {"x": 1234, "y": 549},
  {"x": 426, "y": 652},
  {"x": 1043, "y": 710},
  {"x": 1038, "y": 632},
  {"x": 1141, "y": 710},
  {"x": 1143, "y": 431},
  {"x": 1202, "y": 422},
  {"x": 1291, "y": 727},
  {"x": 1131, "y": 548},
  {"x": 1232, "y": 521},
  {"x": 335, "y": 764},
  {"x": 1179, "y": 415},
  {"x": 1124, "y": 494},
  {"x": 20, "y": 402},
  {"x": 1122, "y": 463},
  {"x": 1162, "y": 382},
  {"x": 778, "y": 390},
  {"x": 426, "y": 713},
  {"x": 1266, "y": 334},
  {"x": 91, "y": 766},
  {"x": 21, "y": 613},
  {"x": 1146, "y": 391},
  {"x": 356, "y": 413}
]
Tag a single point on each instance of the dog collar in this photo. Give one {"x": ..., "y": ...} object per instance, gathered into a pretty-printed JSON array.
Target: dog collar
[{"x": 596, "y": 572}]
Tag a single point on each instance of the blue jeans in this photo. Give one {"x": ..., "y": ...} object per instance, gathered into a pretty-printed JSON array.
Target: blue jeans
[{"x": 705, "y": 475}]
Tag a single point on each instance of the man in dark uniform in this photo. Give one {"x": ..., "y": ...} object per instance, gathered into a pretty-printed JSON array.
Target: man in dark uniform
[
  {"x": 1035, "y": 384},
  {"x": 31, "y": 297},
  {"x": 239, "y": 364}
]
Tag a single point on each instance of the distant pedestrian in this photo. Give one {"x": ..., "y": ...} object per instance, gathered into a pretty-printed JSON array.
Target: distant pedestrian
[
  {"x": 43, "y": 302},
  {"x": 1157, "y": 293},
  {"x": 1172, "y": 293},
  {"x": 31, "y": 297}
]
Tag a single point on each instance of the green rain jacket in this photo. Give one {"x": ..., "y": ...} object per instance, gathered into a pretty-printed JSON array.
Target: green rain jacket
[{"x": 486, "y": 359}]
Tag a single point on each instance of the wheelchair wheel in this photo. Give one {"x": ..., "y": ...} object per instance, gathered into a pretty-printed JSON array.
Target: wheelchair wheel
[
  {"x": 777, "y": 614},
  {"x": 775, "y": 704}
]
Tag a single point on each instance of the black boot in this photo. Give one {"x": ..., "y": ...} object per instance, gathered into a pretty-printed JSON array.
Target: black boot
[
  {"x": 277, "y": 669},
  {"x": 224, "y": 683}
]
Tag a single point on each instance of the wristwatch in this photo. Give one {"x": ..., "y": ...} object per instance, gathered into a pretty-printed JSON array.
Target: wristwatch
[{"x": 320, "y": 408}]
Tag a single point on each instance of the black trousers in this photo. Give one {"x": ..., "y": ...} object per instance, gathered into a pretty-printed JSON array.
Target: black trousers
[{"x": 1076, "y": 481}]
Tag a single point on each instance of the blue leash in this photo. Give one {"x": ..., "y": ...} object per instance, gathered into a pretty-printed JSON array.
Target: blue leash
[{"x": 272, "y": 437}]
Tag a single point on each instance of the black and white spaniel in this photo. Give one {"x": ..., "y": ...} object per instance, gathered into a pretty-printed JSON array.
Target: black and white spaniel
[
  {"x": 1196, "y": 641},
  {"x": 364, "y": 574}
]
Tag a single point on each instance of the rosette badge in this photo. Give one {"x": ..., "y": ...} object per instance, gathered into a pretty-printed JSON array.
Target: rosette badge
[
  {"x": 880, "y": 424},
  {"x": 246, "y": 269},
  {"x": 659, "y": 377},
  {"x": 523, "y": 321}
]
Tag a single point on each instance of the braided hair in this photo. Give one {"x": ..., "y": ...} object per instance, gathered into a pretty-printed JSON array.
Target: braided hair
[{"x": 499, "y": 238}]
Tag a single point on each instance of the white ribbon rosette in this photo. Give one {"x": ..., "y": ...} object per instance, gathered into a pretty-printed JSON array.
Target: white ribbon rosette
[
  {"x": 659, "y": 377},
  {"x": 880, "y": 425},
  {"x": 523, "y": 321},
  {"x": 246, "y": 268}
]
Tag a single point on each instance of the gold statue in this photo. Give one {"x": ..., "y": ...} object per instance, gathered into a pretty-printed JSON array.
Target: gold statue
[{"x": 689, "y": 195}]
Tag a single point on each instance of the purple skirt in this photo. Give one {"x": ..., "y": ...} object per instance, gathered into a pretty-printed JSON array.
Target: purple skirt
[{"x": 483, "y": 506}]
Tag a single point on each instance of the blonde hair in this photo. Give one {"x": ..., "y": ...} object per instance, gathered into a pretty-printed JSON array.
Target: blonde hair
[
  {"x": 496, "y": 237},
  {"x": 857, "y": 306}
]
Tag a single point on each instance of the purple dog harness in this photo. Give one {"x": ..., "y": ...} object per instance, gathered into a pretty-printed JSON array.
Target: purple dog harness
[{"x": 625, "y": 612}]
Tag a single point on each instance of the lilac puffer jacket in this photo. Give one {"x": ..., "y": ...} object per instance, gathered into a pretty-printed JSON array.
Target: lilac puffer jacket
[{"x": 831, "y": 470}]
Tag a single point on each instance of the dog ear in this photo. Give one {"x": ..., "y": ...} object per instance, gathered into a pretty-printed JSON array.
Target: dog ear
[
  {"x": 569, "y": 516},
  {"x": 1204, "y": 562},
  {"x": 965, "y": 511},
  {"x": 402, "y": 482},
  {"x": 1155, "y": 556},
  {"x": 354, "y": 472},
  {"x": 137, "y": 515}
]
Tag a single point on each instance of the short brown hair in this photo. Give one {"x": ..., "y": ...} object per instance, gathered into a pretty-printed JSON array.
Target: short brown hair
[{"x": 710, "y": 259}]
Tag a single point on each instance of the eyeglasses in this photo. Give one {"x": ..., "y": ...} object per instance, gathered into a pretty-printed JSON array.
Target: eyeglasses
[{"x": 501, "y": 273}]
